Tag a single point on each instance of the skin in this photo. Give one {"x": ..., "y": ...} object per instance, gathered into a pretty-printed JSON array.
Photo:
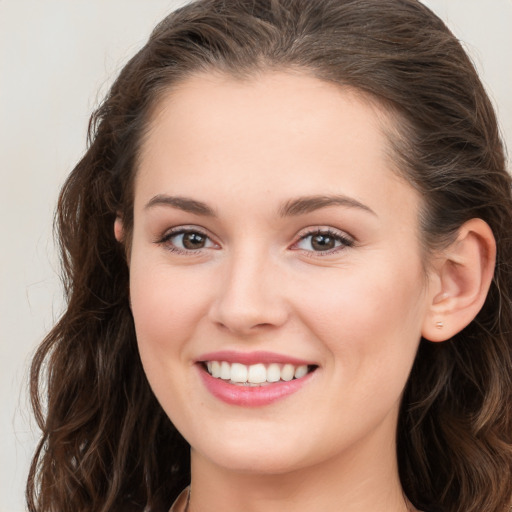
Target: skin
[{"x": 245, "y": 149}]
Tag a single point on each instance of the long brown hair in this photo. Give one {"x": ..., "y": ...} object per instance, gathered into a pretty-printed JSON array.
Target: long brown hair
[{"x": 106, "y": 443}]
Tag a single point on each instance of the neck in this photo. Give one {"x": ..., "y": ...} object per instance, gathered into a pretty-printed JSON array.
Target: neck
[{"x": 360, "y": 481}]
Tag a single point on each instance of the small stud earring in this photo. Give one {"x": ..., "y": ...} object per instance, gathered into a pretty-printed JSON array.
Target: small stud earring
[{"x": 439, "y": 325}]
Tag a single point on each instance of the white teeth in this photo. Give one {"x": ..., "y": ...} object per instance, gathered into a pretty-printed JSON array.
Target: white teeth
[
  {"x": 300, "y": 371},
  {"x": 238, "y": 372},
  {"x": 273, "y": 373},
  {"x": 215, "y": 369},
  {"x": 256, "y": 373},
  {"x": 287, "y": 372},
  {"x": 225, "y": 370}
]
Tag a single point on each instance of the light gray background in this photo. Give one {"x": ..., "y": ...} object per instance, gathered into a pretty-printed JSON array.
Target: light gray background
[{"x": 57, "y": 58}]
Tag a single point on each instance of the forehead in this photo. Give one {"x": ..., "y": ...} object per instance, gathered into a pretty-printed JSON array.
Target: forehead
[
  {"x": 281, "y": 103},
  {"x": 283, "y": 134},
  {"x": 285, "y": 99}
]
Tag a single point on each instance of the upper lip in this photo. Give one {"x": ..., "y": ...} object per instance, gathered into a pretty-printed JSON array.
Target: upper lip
[{"x": 249, "y": 358}]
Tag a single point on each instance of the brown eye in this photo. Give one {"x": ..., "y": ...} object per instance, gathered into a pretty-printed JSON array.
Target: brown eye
[
  {"x": 187, "y": 241},
  {"x": 193, "y": 240},
  {"x": 322, "y": 242}
]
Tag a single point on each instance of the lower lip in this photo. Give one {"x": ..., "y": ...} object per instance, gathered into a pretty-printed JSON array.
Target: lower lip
[{"x": 251, "y": 396}]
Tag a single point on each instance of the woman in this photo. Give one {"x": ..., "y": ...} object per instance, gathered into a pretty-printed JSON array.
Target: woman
[{"x": 286, "y": 257}]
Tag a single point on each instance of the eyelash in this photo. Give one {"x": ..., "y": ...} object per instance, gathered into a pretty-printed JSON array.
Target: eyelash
[
  {"x": 165, "y": 240},
  {"x": 345, "y": 241}
]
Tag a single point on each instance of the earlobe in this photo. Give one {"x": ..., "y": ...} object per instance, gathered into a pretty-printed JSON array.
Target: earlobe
[
  {"x": 119, "y": 229},
  {"x": 464, "y": 274},
  {"x": 120, "y": 235}
]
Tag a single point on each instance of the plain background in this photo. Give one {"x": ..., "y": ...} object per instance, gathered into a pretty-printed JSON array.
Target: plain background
[{"x": 57, "y": 58}]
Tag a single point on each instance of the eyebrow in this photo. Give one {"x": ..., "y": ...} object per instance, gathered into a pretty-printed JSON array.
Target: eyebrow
[
  {"x": 182, "y": 203},
  {"x": 293, "y": 207},
  {"x": 308, "y": 204}
]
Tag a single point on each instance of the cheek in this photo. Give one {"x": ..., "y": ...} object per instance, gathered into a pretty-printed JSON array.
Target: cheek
[
  {"x": 368, "y": 319},
  {"x": 166, "y": 306}
]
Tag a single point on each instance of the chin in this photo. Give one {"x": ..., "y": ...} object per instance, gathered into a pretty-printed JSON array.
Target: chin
[{"x": 254, "y": 457}]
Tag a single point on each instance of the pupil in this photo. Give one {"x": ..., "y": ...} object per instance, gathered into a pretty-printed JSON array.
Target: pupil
[
  {"x": 322, "y": 242},
  {"x": 193, "y": 240}
]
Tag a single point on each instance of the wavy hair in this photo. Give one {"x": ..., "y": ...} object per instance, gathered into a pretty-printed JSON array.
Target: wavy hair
[{"x": 106, "y": 443}]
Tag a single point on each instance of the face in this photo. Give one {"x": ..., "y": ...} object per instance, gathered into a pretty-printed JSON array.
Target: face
[{"x": 274, "y": 248}]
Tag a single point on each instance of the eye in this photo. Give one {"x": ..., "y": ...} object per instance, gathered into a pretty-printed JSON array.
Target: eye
[
  {"x": 322, "y": 240},
  {"x": 186, "y": 240}
]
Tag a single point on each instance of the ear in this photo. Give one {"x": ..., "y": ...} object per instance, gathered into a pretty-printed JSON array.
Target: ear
[
  {"x": 460, "y": 282},
  {"x": 119, "y": 229}
]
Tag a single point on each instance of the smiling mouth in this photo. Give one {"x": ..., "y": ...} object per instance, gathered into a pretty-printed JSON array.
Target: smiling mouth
[{"x": 256, "y": 374}]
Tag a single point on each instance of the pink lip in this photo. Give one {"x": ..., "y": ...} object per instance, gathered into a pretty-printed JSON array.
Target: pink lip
[
  {"x": 249, "y": 358},
  {"x": 248, "y": 396}
]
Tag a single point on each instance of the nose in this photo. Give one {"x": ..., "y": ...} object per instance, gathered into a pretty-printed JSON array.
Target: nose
[{"x": 251, "y": 296}]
